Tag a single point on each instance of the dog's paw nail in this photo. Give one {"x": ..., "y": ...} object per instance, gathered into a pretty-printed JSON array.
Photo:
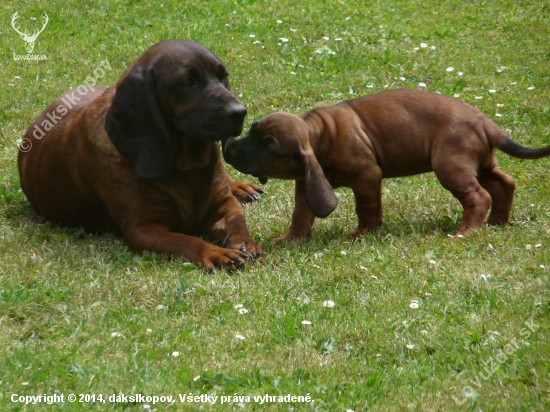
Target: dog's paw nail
[{"x": 242, "y": 248}]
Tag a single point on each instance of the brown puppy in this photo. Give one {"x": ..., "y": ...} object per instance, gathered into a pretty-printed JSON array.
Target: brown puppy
[
  {"x": 394, "y": 133},
  {"x": 140, "y": 158}
]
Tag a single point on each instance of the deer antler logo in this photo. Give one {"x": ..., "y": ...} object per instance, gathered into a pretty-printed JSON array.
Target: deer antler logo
[{"x": 30, "y": 39}]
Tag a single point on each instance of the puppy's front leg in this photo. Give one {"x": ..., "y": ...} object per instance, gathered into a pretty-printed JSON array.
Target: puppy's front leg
[
  {"x": 367, "y": 190},
  {"x": 302, "y": 218}
]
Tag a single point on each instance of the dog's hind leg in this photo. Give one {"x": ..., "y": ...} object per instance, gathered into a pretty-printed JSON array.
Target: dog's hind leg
[
  {"x": 460, "y": 180},
  {"x": 501, "y": 188}
]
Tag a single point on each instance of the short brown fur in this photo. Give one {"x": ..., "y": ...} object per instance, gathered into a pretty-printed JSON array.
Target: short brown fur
[
  {"x": 394, "y": 133},
  {"x": 140, "y": 163}
]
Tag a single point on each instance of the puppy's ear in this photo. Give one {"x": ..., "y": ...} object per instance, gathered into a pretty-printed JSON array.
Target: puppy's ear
[
  {"x": 319, "y": 194},
  {"x": 136, "y": 127}
]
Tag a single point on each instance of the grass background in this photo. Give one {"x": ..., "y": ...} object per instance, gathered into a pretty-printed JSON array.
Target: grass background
[{"x": 75, "y": 308}]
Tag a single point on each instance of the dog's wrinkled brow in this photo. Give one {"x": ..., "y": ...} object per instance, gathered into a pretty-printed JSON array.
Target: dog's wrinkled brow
[{"x": 222, "y": 70}]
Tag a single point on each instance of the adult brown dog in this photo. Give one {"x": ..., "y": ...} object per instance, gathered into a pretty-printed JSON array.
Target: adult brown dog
[
  {"x": 140, "y": 158},
  {"x": 394, "y": 133}
]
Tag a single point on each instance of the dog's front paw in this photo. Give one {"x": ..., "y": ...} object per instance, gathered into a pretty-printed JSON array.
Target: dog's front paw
[
  {"x": 246, "y": 192},
  {"x": 244, "y": 245},
  {"x": 221, "y": 258}
]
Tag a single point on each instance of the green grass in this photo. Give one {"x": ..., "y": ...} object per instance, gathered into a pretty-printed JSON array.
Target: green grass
[{"x": 75, "y": 308}]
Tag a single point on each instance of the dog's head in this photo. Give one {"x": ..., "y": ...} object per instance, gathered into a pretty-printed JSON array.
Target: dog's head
[
  {"x": 277, "y": 146},
  {"x": 176, "y": 90}
]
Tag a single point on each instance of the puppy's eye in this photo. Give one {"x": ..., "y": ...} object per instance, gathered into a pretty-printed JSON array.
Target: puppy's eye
[{"x": 271, "y": 145}]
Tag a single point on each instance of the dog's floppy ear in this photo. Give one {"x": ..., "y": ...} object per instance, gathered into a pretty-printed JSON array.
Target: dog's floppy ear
[
  {"x": 319, "y": 194},
  {"x": 136, "y": 127}
]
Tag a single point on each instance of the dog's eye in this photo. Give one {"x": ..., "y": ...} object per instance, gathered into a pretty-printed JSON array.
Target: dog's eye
[
  {"x": 225, "y": 82},
  {"x": 190, "y": 78},
  {"x": 271, "y": 145},
  {"x": 187, "y": 81}
]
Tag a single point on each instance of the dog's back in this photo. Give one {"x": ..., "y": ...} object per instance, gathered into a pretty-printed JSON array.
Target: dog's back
[
  {"x": 404, "y": 127},
  {"x": 47, "y": 168}
]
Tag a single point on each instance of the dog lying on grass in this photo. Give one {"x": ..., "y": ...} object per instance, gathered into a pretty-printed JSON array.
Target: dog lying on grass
[
  {"x": 144, "y": 162},
  {"x": 394, "y": 133}
]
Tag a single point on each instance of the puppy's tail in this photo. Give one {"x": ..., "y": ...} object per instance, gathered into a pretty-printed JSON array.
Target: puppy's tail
[{"x": 505, "y": 143}]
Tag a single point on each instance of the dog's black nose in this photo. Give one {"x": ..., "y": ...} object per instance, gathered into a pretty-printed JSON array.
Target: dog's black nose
[{"x": 236, "y": 112}]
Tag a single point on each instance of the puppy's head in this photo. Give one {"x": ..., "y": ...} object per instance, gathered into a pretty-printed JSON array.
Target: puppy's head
[
  {"x": 277, "y": 146},
  {"x": 176, "y": 90}
]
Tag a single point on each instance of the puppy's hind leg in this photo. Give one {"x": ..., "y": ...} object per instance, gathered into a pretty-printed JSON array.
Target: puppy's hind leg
[
  {"x": 460, "y": 179},
  {"x": 501, "y": 188}
]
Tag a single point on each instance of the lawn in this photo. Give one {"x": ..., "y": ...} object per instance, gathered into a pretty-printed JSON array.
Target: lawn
[{"x": 403, "y": 319}]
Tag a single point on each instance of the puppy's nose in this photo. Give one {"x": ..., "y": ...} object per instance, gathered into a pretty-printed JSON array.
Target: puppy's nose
[
  {"x": 236, "y": 112},
  {"x": 230, "y": 150}
]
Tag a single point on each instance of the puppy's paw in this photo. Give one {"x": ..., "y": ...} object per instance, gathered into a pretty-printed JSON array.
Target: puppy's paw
[
  {"x": 462, "y": 233},
  {"x": 354, "y": 234},
  {"x": 288, "y": 237},
  {"x": 246, "y": 192},
  {"x": 360, "y": 231}
]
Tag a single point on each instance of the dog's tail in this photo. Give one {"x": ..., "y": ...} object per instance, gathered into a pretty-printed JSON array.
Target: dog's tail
[{"x": 505, "y": 143}]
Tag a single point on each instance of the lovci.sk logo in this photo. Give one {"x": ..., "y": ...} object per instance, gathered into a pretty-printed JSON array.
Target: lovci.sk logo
[{"x": 30, "y": 39}]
